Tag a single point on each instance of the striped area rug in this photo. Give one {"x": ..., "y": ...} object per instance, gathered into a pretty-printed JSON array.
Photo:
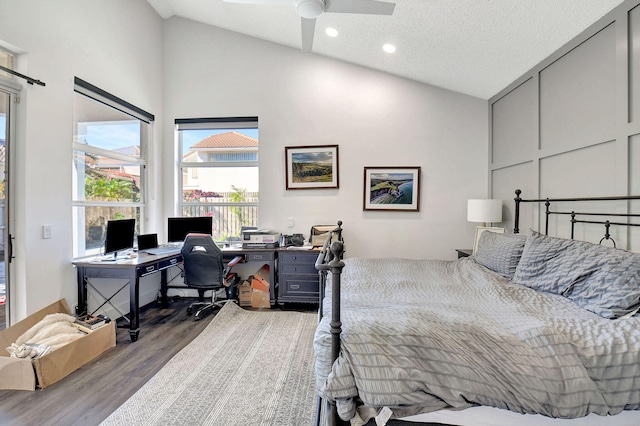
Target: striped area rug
[{"x": 245, "y": 368}]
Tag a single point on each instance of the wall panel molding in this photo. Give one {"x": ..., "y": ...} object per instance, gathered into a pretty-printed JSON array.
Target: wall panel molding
[{"x": 582, "y": 134}]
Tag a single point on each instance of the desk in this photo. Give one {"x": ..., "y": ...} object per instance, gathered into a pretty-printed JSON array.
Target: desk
[
  {"x": 146, "y": 264},
  {"x": 259, "y": 256},
  {"x": 129, "y": 269}
]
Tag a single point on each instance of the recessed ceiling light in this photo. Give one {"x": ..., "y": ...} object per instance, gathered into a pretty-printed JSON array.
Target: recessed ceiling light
[
  {"x": 389, "y": 48},
  {"x": 331, "y": 32}
]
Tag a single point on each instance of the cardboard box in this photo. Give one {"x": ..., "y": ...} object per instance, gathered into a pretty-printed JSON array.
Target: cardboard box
[
  {"x": 244, "y": 294},
  {"x": 320, "y": 233},
  {"x": 25, "y": 374},
  {"x": 259, "y": 283},
  {"x": 260, "y": 299},
  {"x": 260, "y": 280},
  {"x": 260, "y": 296}
]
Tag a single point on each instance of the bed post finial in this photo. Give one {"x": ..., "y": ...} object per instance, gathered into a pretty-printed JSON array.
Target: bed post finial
[{"x": 516, "y": 223}]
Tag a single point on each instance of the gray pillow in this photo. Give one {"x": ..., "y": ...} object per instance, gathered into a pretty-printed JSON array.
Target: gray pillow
[
  {"x": 613, "y": 290},
  {"x": 500, "y": 252},
  {"x": 600, "y": 279},
  {"x": 555, "y": 265}
]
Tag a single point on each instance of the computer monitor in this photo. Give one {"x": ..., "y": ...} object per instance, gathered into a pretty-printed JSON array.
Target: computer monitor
[
  {"x": 179, "y": 227},
  {"x": 120, "y": 234}
]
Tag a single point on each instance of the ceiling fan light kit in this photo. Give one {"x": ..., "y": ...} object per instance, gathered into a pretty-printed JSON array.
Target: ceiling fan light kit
[{"x": 309, "y": 9}]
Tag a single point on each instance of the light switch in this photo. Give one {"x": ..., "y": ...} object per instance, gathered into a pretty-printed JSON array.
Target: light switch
[
  {"x": 290, "y": 222},
  {"x": 46, "y": 231}
]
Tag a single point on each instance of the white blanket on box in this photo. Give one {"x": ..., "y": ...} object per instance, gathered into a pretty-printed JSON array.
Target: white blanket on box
[{"x": 49, "y": 334}]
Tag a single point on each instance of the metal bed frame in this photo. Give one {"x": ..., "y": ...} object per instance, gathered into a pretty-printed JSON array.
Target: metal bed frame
[
  {"x": 330, "y": 261},
  {"x": 547, "y": 202}
]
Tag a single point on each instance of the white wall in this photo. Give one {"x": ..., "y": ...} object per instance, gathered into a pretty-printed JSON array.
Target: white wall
[
  {"x": 177, "y": 69},
  {"x": 375, "y": 118},
  {"x": 115, "y": 45}
]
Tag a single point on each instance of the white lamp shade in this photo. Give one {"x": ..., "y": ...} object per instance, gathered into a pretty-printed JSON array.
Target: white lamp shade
[{"x": 484, "y": 211}]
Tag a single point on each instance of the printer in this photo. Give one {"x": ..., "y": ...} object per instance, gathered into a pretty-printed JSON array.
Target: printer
[{"x": 260, "y": 238}]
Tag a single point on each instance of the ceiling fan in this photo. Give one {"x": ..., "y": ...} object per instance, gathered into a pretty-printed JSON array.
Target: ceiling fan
[{"x": 309, "y": 10}]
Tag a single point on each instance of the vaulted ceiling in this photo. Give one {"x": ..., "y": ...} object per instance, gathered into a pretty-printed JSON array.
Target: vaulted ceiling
[{"x": 476, "y": 47}]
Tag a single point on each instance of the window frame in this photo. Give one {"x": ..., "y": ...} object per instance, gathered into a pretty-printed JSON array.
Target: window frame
[
  {"x": 218, "y": 123},
  {"x": 83, "y": 88}
]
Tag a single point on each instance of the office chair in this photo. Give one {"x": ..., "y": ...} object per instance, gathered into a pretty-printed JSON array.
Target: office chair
[{"x": 204, "y": 270}]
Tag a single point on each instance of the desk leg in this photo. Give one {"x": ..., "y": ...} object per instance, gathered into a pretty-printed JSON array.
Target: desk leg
[
  {"x": 163, "y": 288},
  {"x": 134, "y": 306},
  {"x": 82, "y": 291}
]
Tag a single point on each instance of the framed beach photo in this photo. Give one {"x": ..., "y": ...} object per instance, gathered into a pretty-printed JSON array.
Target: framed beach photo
[
  {"x": 392, "y": 188},
  {"x": 312, "y": 167}
]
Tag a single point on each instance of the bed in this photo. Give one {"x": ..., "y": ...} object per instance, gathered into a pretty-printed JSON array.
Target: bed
[{"x": 520, "y": 332}]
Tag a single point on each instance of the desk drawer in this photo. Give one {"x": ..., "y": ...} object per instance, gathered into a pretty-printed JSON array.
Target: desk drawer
[
  {"x": 300, "y": 288},
  {"x": 298, "y": 257},
  {"x": 260, "y": 256},
  {"x": 298, "y": 268},
  {"x": 164, "y": 264},
  {"x": 147, "y": 269}
]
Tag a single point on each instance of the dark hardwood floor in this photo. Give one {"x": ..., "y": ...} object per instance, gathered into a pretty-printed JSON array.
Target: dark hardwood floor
[{"x": 87, "y": 396}]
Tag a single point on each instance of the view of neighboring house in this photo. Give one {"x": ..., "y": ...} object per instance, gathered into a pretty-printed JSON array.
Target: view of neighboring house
[
  {"x": 120, "y": 167},
  {"x": 220, "y": 178},
  {"x": 230, "y": 148}
]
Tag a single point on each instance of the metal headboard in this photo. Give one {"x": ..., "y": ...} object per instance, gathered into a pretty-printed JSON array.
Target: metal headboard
[{"x": 607, "y": 224}]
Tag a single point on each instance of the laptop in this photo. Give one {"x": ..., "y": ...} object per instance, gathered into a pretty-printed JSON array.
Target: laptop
[{"x": 147, "y": 241}]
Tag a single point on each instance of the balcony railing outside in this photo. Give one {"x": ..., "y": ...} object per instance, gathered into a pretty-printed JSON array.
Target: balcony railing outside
[{"x": 229, "y": 215}]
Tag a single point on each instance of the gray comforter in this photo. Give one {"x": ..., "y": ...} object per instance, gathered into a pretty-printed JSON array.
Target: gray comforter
[{"x": 422, "y": 335}]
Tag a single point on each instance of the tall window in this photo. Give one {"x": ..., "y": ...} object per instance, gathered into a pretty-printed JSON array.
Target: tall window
[
  {"x": 110, "y": 139},
  {"x": 219, "y": 172}
]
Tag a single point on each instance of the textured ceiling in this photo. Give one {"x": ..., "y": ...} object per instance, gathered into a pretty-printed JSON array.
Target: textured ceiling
[{"x": 476, "y": 47}]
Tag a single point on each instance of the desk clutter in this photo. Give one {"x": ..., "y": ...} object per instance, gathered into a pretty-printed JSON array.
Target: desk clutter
[{"x": 254, "y": 291}]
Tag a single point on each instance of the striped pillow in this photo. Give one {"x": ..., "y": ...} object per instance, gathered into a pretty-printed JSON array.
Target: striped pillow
[
  {"x": 500, "y": 252},
  {"x": 600, "y": 279}
]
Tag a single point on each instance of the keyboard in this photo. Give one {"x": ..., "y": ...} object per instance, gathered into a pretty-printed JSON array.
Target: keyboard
[{"x": 162, "y": 250}]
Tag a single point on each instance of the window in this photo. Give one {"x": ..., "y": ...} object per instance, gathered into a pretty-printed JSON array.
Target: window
[
  {"x": 219, "y": 172},
  {"x": 110, "y": 139}
]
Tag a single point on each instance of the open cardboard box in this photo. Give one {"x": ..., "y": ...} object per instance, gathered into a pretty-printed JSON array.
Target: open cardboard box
[
  {"x": 24, "y": 374},
  {"x": 244, "y": 294},
  {"x": 260, "y": 288}
]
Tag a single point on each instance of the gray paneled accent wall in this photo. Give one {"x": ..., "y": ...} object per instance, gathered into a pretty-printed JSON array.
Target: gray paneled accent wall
[
  {"x": 578, "y": 95},
  {"x": 570, "y": 127}
]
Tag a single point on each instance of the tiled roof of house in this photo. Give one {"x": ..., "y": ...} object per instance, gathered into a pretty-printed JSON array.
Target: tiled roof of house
[{"x": 226, "y": 140}]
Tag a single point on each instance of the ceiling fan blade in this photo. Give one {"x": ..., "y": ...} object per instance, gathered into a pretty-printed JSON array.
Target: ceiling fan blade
[
  {"x": 369, "y": 7},
  {"x": 267, "y": 2},
  {"x": 308, "y": 30}
]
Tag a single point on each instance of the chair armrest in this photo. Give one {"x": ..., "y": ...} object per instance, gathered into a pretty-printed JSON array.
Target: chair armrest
[{"x": 234, "y": 261}]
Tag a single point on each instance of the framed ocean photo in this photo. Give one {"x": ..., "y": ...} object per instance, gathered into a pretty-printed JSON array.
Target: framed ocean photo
[
  {"x": 392, "y": 188},
  {"x": 312, "y": 167}
]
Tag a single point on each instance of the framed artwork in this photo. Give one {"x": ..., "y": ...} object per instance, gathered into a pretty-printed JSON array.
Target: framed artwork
[
  {"x": 480, "y": 230},
  {"x": 392, "y": 188},
  {"x": 311, "y": 167}
]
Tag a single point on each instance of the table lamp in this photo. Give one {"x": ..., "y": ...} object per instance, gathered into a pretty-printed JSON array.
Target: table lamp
[{"x": 485, "y": 211}]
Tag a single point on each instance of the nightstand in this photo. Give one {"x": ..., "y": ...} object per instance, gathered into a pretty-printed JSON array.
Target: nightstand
[
  {"x": 464, "y": 253},
  {"x": 298, "y": 279}
]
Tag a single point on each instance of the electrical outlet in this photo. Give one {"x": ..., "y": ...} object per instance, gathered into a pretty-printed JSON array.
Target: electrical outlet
[
  {"x": 46, "y": 232},
  {"x": 290, "y": 222}
]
